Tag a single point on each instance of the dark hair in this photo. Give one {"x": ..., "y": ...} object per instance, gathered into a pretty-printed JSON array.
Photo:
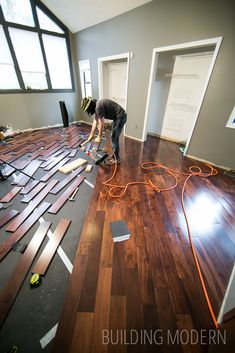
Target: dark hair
[{"x": 91, "y": 109}]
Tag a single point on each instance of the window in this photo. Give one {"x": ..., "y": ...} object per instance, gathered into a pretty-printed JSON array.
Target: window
[
  {"x": 57, "y": 59},
  {"x": 31, "y": 66},
  {"x": 8, "y": 78},
  {"x": 46, "y": 23},
  {"x": 85, "y": 78},
  {"x": 18, "y": 11},
  {"x": 34, "y": 49}
]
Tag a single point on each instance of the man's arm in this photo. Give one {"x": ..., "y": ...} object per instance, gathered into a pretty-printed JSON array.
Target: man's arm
[
  {"x": 101, "y": 127},
  {"x": 93, "y": 129}
]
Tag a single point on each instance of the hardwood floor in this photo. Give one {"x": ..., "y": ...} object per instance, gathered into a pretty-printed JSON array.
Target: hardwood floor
[{"x": 141, "y": 294}]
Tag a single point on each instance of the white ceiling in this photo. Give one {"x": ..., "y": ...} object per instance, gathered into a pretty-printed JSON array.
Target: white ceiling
[{"x": 80, "y": 14}]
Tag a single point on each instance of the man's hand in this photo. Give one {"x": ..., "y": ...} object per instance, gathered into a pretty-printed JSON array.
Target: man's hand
[
  {"x": 91, "y": 137},
  {"x": 98, "y": 139}
]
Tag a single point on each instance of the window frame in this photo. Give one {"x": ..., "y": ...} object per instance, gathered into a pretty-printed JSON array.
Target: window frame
[{"x": 37, "y": 29}]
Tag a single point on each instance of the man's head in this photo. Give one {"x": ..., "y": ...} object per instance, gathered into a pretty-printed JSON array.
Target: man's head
[{"x": 88, "y": 105}]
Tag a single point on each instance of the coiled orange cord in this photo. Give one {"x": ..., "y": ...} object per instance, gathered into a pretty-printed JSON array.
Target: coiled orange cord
[{"x": 193, "y": 171}]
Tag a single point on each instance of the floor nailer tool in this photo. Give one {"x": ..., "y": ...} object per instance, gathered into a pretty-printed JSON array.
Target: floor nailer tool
[{"x": 101, "y": 158}]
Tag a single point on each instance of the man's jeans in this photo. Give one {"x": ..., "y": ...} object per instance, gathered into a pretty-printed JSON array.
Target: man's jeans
[{"x": 116, "y": 130}]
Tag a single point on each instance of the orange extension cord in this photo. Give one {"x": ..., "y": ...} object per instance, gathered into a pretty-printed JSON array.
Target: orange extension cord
[{"x": 193, "y": 171}]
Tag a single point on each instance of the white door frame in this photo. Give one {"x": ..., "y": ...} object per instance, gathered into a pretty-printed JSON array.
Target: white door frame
[
  {"x": 201, "y": 43},
  {"x": 81, "y": 64},
  {"x": 101, "y": 62}
]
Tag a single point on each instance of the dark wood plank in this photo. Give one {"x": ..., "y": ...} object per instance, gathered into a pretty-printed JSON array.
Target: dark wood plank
[
  {"x": 22, "y": 179},
  {"x": 29, "y": 187},
  {"x": 67, "y": 180},
  {"x": 69, "y": 312},
  {"x": 64, "y": 197},
  {"x": 88, "y": 295},
  {"x": 33, "y": 193},
  {"x": 48, "y": 175},
  {"x": 10, "y": 195},
  {"x": 83, "y": 327},
  {"x": 51, "y": 158},
  {"x": 7, "y": 217},
  {"x": 10, "y": 291},
  {"x": 101, "y": 310},
  {"x": 5, "y": 247},
  {"x": 57, "y": 160},
  {"x": 73, "y": 152},
  {"x": 31, "y": 207},
  {"x": 48, "y": 253}
]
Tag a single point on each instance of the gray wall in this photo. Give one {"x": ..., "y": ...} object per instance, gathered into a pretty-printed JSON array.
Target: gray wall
[
  {"x": 169, "y": 22},
  {"x": 33, "y": 110}
]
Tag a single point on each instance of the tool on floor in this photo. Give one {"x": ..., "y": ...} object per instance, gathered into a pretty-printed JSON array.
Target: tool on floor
[
  {"x": 72, "y": 197},
  {"x": 102, "y": 158},
  {"x": 35, "y": 280},
  {"x": 16, "y": 170}
]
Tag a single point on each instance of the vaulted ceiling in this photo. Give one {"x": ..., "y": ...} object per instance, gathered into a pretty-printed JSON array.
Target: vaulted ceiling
[{"x": 81, "y": 14}]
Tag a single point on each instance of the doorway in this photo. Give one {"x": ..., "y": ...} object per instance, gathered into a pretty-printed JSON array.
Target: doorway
[
  {"x": 113, "y": 74},
  {"x": 85, "y": 77},
  {"x": 178, "y": 80}
]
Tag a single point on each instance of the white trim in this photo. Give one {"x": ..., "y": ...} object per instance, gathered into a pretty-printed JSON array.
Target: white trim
[
  {"x": 89, "y": 183},
  {"x": 208, "y": 162},
  {"x": 87, "y": 64},
  {"x": 48, "y": 336},
  {"x": 100, "y": 73},
  {"x": 52, "y": 126},
  {"x": 216, "y": 41},
  {"x": 231, "y": 119},
  {"x": 221, "y": 313},
  {"x": 133, "y": 138},
  {"x": 41, "y": 128}
]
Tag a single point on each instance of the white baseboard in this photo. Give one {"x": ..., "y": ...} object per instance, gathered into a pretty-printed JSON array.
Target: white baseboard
[
  {"x": 133, "y": 138},
  {"x": 208, "y": 162},
  {"x": 55, "y": 125}
]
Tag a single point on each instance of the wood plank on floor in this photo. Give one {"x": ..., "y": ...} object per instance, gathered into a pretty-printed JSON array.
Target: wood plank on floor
[
  {"x": 5, "y": 247},
  {"x": 33, "y": 193},
  {"x": 31, "y": 207},
  {"x": 7, "y": 217},
  {"x": 65, "y": 196},
  {"x": 66, "y": 180},
  {"x": 11, "y": 194},
  {"x": 29, "y": 187},
  {"x": 11, "y": 289},
  {"x": 46, "y": 257},
  {"x": 88, "y": 295}
]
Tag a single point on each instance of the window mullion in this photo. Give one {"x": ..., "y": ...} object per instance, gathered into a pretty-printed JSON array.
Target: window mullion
[
  {"x": 1, "y": 15},
  {"x": 45, "y": 61},
  {"x": 35, "y": 16},
  {"x": 70, "y": 59},
  {"x": 15, "y": 61}
]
